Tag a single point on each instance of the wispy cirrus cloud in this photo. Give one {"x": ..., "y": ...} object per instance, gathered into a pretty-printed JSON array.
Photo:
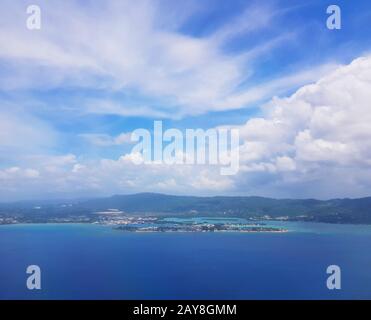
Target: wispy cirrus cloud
[
  {"x": 105, "y": 140},
  {"x": 121, "y": 46}
]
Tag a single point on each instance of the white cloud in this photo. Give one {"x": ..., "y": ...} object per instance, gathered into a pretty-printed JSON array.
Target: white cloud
[
  {"x": 31, "y": 173},
  {"x": 105, "y": 140},
  {"x": 320, "y": 134},
  {"x": 129, "y": 46},
  {"x": 22, "y": 133},
  {"x": 314, "y": 143},
  {"x": 285, "y": 164}
]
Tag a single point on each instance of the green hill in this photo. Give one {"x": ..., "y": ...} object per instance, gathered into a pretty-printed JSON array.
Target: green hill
[{"x": 356, "y": 211}]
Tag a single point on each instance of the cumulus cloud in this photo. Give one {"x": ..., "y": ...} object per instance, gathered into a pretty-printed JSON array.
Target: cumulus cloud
[
  {"x": 105, "y": 177},
  {"x": 314, "y": 143},
  {"x": 320, "y": 135}
]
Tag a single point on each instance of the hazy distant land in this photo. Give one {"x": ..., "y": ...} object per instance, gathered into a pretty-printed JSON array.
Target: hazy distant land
[{"x": 355, "y": 211}]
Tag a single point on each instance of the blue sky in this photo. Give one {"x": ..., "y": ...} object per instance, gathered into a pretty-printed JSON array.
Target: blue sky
[{"x": 97, "y": 71}]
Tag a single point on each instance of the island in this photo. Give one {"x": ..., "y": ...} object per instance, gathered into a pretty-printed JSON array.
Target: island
[{"x": 146, "y": 212}]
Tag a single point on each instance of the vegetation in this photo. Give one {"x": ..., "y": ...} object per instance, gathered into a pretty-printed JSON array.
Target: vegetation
[{"x": 334, "y": 211}]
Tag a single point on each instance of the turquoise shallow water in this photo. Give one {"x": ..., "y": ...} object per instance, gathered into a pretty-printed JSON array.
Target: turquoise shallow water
[
  {"x": 96, "y": 262},
  {"x": 207, "y": 220}
]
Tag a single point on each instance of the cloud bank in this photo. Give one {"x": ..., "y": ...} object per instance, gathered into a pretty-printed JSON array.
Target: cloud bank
[{"x": 313, "y": 143}]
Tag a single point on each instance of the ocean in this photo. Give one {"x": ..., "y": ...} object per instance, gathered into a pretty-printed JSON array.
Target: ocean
[{"x": 80, "y": 261}]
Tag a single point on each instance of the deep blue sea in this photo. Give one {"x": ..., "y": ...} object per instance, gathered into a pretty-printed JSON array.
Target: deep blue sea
[{"x": 96, "y": 262}]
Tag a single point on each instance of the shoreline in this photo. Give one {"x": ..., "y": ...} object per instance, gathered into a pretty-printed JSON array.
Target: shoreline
[
  {"x": 116, "y": 228},
  {"x": 217, "y": 231}
]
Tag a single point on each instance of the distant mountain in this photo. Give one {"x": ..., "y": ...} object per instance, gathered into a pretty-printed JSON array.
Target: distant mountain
[
  {"x": 334, "y": 211},
  {"x": 337, "y": 210}
]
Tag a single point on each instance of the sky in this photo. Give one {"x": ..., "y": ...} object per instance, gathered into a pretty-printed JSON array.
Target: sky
[{"x": 72, "y": 93}]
